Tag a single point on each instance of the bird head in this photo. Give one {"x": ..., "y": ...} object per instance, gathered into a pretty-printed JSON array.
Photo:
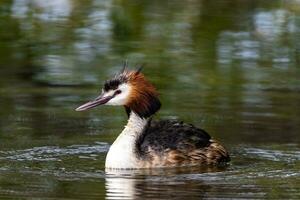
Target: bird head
[{"x": 128, "y": 88}]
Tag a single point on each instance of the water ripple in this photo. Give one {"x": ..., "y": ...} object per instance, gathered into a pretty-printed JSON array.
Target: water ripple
[
  {"x": 274, "y": 155},
  {"x": 54, "y": 153}
]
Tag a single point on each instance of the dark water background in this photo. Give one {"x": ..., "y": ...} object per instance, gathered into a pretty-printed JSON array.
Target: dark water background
[{"x": 230, "y": 67}]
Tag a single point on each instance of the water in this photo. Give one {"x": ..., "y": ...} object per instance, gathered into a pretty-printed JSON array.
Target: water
[{"x": 230, "y": 67}]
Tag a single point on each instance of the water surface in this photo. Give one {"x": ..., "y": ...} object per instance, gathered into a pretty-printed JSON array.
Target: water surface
[{"x": 230, "y": 67}]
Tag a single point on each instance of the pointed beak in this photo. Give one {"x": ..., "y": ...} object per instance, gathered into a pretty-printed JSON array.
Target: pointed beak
[{"x": 91, "y": 104}]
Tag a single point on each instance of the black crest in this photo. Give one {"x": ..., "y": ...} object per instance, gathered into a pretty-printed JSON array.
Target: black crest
[{"x": 117, "y": 80}]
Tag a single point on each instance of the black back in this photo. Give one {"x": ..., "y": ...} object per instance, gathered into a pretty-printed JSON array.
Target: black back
[{"x": 173, "y": 135}]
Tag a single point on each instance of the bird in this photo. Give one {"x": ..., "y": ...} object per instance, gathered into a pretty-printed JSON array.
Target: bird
[{"x": 148, "y": 143}]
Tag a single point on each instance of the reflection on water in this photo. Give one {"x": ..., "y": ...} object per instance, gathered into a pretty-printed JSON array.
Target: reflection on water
[
  {"x": 242, "y": 179},
  {"x": 133, "y": 184},
  {"x": 231, "y": 67},
  {"x": 246, "y": 177},
  {"x": 52, "y": 153},
  {"x": 45, "y": 10}
]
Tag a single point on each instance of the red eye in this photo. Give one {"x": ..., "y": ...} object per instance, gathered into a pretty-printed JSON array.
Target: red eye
[{"x": 118, "y": 92}]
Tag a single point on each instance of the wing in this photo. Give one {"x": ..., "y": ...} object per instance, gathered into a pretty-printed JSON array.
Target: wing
[
  {"x": 174, "y": 143},
  {"x": 170, "y": 134}
]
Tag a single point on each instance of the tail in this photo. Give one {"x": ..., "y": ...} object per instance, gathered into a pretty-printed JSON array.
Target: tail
[{"x": 216, "y": 153}]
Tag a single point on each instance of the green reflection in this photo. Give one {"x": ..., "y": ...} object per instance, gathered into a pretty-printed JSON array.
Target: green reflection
[{"x": 231, "y": 67}]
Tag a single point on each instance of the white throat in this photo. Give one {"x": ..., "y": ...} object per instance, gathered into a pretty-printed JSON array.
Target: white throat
[{"x": 121, "y": 154}]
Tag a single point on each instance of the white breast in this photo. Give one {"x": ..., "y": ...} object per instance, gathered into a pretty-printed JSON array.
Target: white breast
[{"x": 121, "y": 154}]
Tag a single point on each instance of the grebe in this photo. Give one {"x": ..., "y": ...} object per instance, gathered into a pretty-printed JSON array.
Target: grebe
[{"x": 148, "y": 144}]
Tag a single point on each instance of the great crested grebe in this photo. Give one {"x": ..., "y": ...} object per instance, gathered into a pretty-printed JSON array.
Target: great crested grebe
[{"x": 145, "y": 143}]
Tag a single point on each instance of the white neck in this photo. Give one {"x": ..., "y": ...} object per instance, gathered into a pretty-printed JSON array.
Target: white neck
[{"x": 121, "y": 154}]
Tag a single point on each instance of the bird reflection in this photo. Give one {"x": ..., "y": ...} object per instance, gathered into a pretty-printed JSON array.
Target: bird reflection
[{"x": 174, "y": 183}]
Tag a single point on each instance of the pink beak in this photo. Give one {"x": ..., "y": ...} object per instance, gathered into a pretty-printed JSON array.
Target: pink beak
[{"x": 91, "y": 104}]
